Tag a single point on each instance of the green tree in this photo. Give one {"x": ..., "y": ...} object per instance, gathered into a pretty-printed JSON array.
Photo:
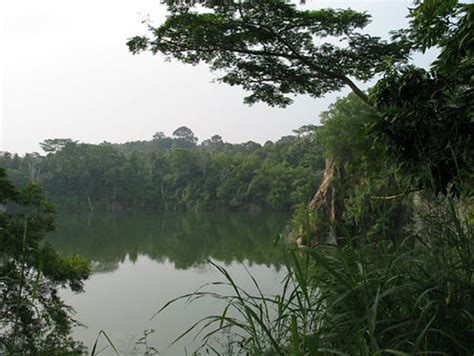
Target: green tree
[
  {"x": 428, "y": 116},
  {"x": 159, "y": 135},
  {"x": 55, "y": 145},
  {"x": 185, "y": 137},
  {"x": 272, "y": 49},
  {"x": 214, "y": 142},
  {"x": 34, "y": 320}
]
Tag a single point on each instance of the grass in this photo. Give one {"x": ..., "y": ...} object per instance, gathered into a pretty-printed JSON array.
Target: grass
[
  {"x": 95, "y": 352},
  {"x": 412, "y": 297}
]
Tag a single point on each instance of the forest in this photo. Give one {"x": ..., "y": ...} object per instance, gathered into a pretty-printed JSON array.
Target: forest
[
  {"x": 175, "y": 173},
  {"x": 379, "y": 251}
]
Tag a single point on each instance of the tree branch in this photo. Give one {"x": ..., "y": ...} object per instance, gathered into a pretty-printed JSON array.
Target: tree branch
[
  {"x": 357, "y": 91},
  {"x": 294, "y": 56}
]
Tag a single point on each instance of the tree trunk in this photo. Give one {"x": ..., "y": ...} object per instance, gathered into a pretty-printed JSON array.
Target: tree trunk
[
  {"x": 324, "y": 204},
  {"x": 320, "y": 199},
  {"x": 91, "y": 211},
  {"x": 91, "y": 207},
  {"x": 163, "y": 196}
]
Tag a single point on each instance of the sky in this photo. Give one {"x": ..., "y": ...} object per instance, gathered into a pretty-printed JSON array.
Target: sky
[{"x": 66, "y": 72}]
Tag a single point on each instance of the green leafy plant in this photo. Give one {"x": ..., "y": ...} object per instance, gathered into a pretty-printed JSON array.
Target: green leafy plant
[{"x": 34, "y": 319}]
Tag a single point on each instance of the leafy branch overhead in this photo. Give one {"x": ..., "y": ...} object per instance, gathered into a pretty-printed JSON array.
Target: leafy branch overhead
[{"x": 274, "y": 50}]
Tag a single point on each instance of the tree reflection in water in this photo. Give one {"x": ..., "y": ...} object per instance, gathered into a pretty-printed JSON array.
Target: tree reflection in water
[{"x": 185, "y": 239}]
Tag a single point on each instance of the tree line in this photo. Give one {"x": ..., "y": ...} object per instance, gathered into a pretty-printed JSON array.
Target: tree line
[{"x": 175, "y": 173}]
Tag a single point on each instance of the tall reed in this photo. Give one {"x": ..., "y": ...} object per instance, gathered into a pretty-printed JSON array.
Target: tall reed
[{"x": 402, "y": 298}]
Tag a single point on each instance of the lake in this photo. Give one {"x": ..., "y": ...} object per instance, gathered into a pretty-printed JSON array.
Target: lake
[{"x": 143, "y": 260}]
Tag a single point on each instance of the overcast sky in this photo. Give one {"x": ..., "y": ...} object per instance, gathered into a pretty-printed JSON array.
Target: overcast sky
[{"x": 67, "y": 73}]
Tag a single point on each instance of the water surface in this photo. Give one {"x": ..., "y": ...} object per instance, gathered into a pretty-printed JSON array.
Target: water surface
[{"x": 141, "y": 261}]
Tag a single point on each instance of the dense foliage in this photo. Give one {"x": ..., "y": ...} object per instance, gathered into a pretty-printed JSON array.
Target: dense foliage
[
  {"x": 175, "y": 173},
  {"x": 33, "y": 318},
  {"x": 372, "y": 196},
  {"x": 428, "y": 116}
]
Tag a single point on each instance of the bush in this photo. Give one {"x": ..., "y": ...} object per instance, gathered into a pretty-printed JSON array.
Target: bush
[{"x": 33, "y": 318}]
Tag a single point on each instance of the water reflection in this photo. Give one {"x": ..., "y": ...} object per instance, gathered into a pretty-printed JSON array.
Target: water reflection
[
  {"x": 144, "y": 260},
  {"x": 186, "y": 240}
]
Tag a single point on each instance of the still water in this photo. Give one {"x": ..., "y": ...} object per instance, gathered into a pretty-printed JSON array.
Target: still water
[{"x": 141, "y": 261}]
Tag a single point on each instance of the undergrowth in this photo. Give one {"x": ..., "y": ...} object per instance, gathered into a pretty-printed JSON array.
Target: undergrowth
[{"x": 407, "y": 297}]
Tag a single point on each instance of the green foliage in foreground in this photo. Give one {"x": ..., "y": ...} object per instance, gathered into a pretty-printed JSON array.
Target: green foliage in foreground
[
  {"x": 33, "y": 318},
  {"x": 175, "y": 174},
  {"x": 428, "y": 116},
  {"x": 408, "y": 298}
]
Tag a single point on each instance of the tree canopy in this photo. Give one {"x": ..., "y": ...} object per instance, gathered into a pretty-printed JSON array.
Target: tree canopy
[
  {"x": 176, "y": 173},
  {"x": 272, "y": 49},
  {"x": 186, "y": 136},
  {"x": 428, "y": 116}
]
